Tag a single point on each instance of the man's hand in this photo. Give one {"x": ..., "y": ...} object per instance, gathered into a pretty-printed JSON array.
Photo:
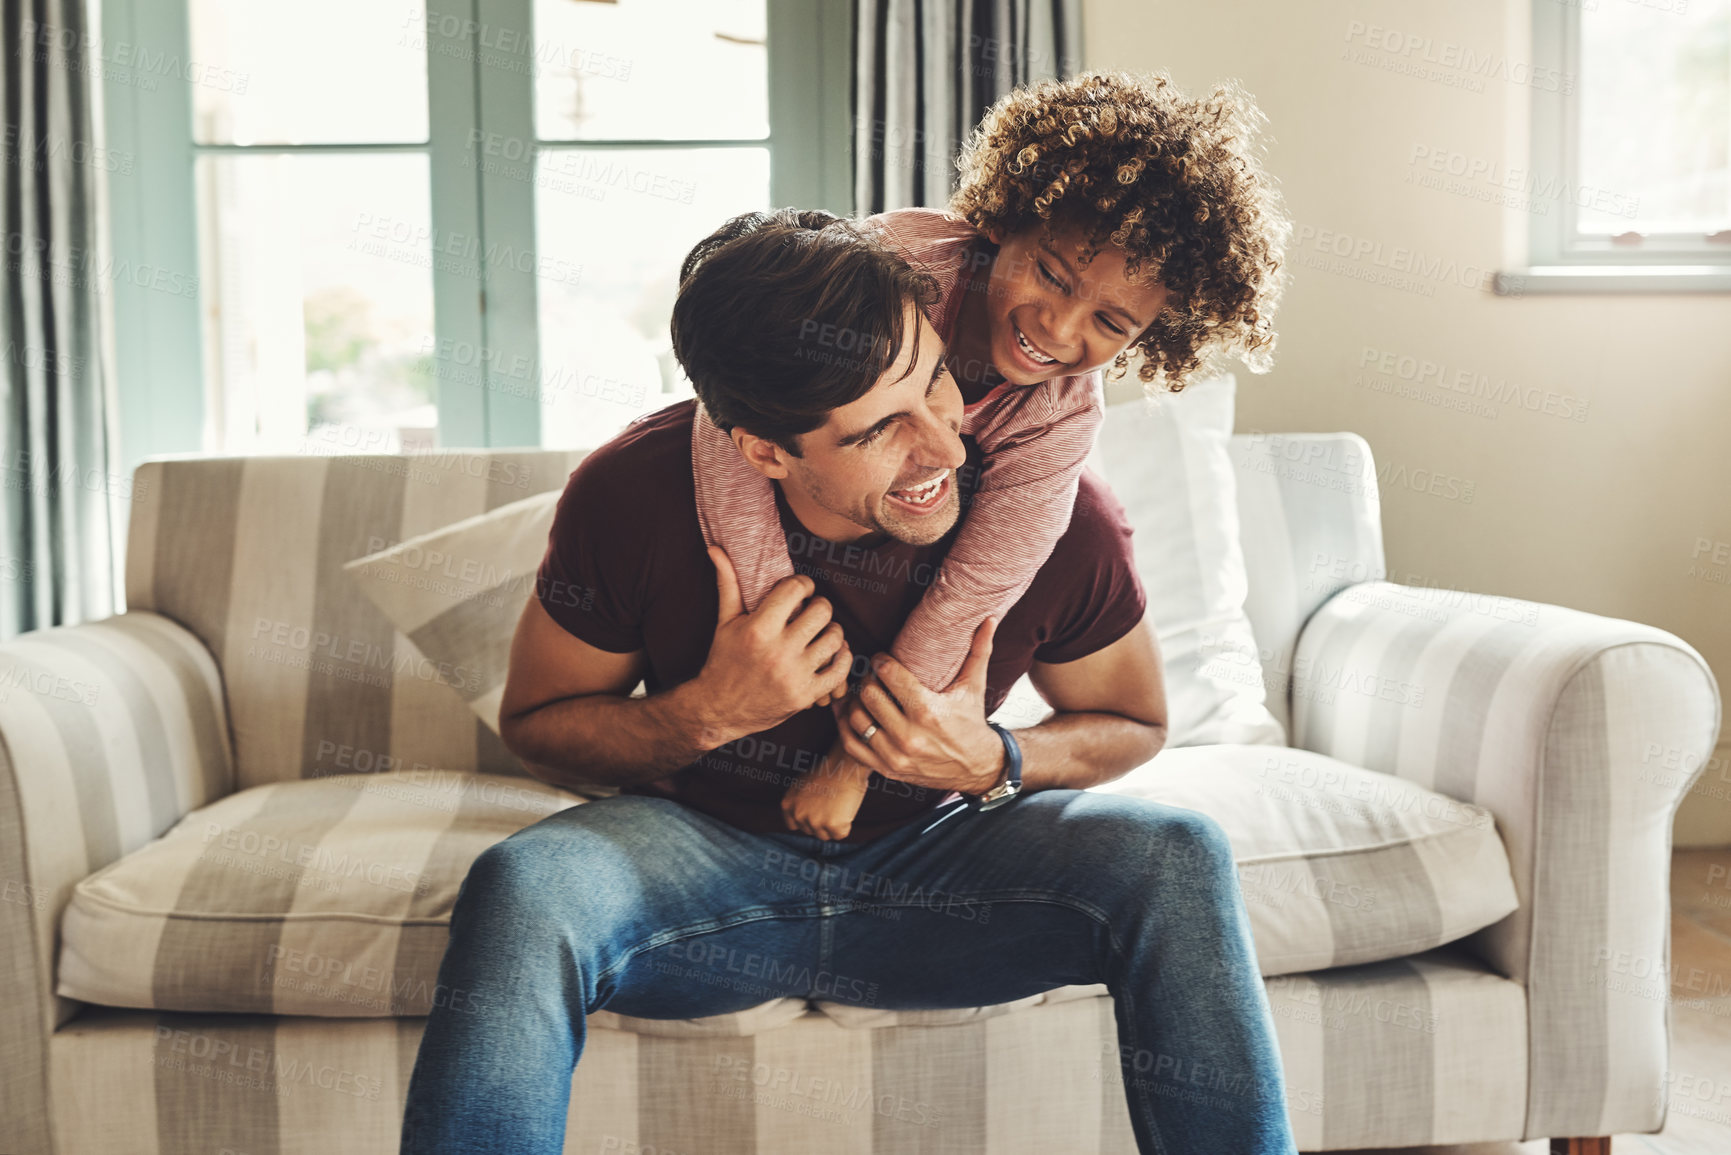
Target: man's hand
[
  {"x": 766, "y": 666},
  {"x": 940, "y": 741}
]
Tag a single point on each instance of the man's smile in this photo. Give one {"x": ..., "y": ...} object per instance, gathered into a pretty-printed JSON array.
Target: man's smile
[{"x": 924, "y": 497}]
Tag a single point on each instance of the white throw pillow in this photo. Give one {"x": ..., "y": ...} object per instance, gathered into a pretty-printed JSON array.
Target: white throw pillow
[{"x": 1167, "y": 460}]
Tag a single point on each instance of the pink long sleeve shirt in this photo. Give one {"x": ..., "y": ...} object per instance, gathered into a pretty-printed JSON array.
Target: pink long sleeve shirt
[{"x": 1035, "y": 439}]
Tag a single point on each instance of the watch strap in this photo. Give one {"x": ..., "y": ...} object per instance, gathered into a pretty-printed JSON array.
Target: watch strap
[{"x": 1011, "y": 783}]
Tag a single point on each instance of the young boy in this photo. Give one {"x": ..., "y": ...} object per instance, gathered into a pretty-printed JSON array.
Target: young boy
[{"x": 1096, "y": 218}]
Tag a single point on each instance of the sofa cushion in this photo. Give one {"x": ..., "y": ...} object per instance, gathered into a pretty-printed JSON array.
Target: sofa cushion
[
  {"x": 1166, "y": 458},
  {"x": 1338, "y": 865},
  {"x": 333, "y": 896},
  {"x": 324, "y": 896},
  {"x": 456, "y": 594},
  {"x": 1310, "y": 521},
  {"x": 1427, "y": 1050},
  {"x": 247, "y": 554},
  {"x": 328, "y": 897}
]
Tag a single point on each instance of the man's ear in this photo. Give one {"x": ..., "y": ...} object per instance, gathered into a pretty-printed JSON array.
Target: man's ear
[{"x": 763, "y": 455}]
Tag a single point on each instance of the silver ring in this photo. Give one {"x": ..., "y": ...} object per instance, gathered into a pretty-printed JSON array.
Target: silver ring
[{"x": 866, "y": 734}]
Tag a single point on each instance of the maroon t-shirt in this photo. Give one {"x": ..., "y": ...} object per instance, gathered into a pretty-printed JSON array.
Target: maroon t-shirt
[{"x": 625, "y": 571}]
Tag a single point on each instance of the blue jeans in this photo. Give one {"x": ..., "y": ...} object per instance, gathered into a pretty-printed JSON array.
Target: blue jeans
[{"x": 620, "y": 902}]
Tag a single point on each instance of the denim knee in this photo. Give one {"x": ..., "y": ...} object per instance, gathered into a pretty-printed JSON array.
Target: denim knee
[
  {"x": 1198, "y": 842},
  {"x": 1171, "y": 839},
  {"x": 504, "y": 880}
]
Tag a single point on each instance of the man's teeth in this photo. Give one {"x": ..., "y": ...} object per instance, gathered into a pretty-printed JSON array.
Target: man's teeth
[
  {"x": 919, "y": 495},
  {"x": 1028, "y": 348}
]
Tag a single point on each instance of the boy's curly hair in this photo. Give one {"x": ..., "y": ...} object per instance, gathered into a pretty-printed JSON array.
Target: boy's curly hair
[{"x": 1176, "y": 181}]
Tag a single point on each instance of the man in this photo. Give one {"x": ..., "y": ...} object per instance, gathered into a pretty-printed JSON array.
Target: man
[{"x": 806, "y": 340}]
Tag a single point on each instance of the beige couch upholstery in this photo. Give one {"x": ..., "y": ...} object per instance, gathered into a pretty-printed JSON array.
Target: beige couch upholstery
[{"x": 247, "y": 662}]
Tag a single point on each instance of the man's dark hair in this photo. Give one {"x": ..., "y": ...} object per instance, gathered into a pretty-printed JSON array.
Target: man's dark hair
[{"x": 783, "y": 316}]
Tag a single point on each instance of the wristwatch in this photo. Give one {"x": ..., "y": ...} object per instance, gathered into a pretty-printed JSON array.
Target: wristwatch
[{"x": 1010, "y": 785}]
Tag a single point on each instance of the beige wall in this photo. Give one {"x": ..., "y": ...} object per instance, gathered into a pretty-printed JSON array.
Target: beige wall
[{"x": 1604, "y": 514}]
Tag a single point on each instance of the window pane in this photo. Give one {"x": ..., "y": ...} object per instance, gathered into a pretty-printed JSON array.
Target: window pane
[
  {"x": 312, "y": 72},
  {"x": 318, "y": 298},
  {"x": 1655, "y": 93},
  {"x": 625, "y": 218},
  {"x": 651, "y": 70}
]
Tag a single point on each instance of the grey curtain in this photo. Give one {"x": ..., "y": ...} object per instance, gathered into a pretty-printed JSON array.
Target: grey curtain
[
  {"x": 56, "y": 555},
  {"x": 924, "y": 73}
]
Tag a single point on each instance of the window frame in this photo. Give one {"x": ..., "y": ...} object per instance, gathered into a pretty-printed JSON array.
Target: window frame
[
  {"x": 159, "y": 345},
  {"x": 1558, "y": 259}
]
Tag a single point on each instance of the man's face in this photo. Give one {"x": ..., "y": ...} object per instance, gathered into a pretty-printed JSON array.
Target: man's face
[
  {"x": 886, "y": 463},
  {"x": 1050, "y": 317}
]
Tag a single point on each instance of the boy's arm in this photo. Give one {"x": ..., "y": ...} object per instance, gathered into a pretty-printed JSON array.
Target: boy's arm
[
  {"x": 736, "y": 510},
  {"x": 1035, "y": 448},
  {"x": 566, "y": 714}
]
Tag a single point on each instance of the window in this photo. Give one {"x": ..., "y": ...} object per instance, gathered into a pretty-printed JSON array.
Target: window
[
  {"x": 314, "y": 227},
  {"x": 628, "y": 176},
  {"x": 1631, "y": 150},
  {"x": 451, "y": 224}
]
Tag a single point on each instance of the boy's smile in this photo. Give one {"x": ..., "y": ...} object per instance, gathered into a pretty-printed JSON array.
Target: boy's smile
[{"x": 1040, "y": 314}]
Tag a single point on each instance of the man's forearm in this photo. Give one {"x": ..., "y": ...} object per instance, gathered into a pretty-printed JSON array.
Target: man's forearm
[
  {"x": 1073, "y": 751},
  {"x": 615, "y": 741}
]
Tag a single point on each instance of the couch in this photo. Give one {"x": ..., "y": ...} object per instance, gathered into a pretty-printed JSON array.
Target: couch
[{"x": 248, "y": 668}]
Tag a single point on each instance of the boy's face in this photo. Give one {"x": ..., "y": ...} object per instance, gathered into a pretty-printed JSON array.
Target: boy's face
[
  {"x": 885, "y": 463},
  {"x": 1049, "y": 317}
]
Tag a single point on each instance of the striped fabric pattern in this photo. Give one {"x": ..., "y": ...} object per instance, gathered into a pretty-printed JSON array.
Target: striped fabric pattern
[
  {"x": 1567, "y": 727},
  {"x": 333, "y": 897},
  {"x": 109, "y": 732},
  {"x": 464, "y": 618},
  {"x": 1166, "y": 459},
  {"x": 1338, "y": 865},
  {"x": 247, "y": 553},
  {"x": 463, "y": 623},
  {"x": 323, "y": 897},
  {"x": 1428, "y": 1049},
  {"x": 1310, "y": 517}
]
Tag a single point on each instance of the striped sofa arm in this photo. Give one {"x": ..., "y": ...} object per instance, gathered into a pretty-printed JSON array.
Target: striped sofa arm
[
  {"x": 1581, "y": 734},
  {"x": 110, "y": 732}
]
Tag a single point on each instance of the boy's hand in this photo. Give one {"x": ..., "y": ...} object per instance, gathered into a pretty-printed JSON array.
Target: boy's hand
[
  {"x": 824, "y": 801},
  {"x": 938, "y": 741}
]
